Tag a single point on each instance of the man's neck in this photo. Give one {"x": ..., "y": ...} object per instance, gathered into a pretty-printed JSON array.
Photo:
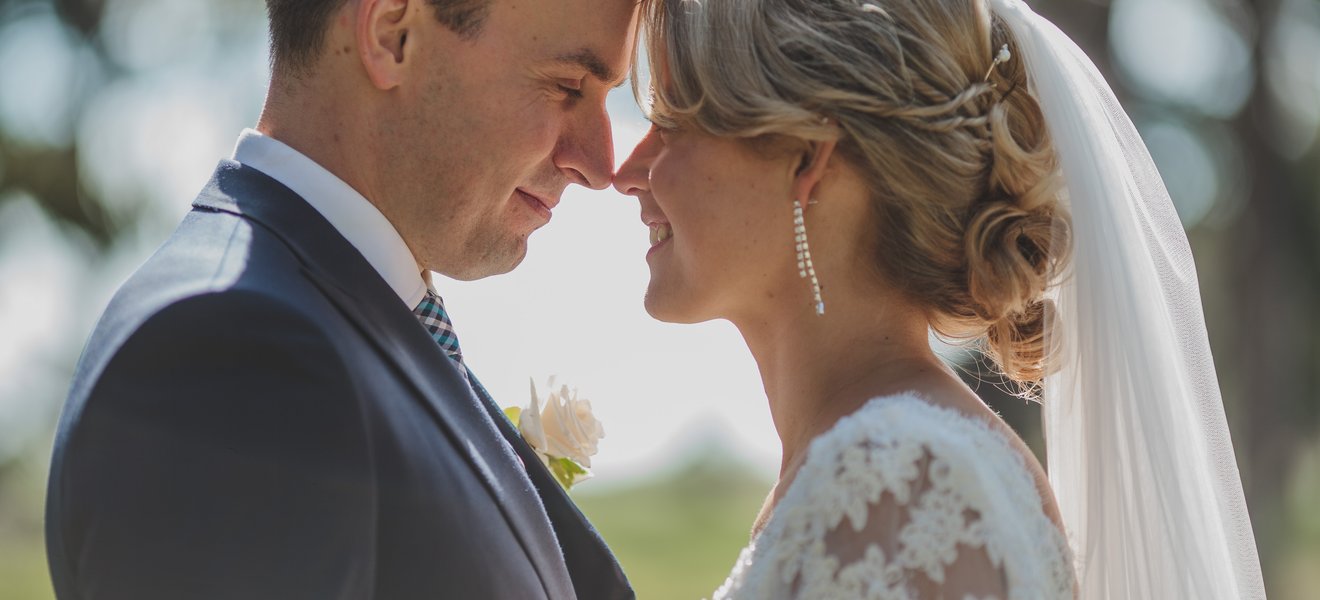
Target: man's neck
[{"x": 326, "y": 124}]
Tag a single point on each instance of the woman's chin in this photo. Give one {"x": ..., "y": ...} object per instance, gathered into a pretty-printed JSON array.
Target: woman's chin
[
  {"x": 658, "y": 310},
  {"x": 668, "y": 308}
]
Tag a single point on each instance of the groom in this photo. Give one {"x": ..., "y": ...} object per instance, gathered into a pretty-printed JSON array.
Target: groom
[{"x": 275, "y": 406}]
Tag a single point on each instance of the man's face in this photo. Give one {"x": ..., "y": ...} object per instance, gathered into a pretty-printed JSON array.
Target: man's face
[{"x": 485, "y": 133}]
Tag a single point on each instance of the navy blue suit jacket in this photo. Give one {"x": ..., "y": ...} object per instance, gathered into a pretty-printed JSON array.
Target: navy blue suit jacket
[{"x": 257, "y": 416}]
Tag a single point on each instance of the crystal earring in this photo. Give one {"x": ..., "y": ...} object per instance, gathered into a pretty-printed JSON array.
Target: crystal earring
[{"x": 805, "y": 268}]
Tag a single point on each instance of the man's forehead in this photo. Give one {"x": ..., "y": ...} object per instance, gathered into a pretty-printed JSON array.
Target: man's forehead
[{"x": 596, "y": 36}]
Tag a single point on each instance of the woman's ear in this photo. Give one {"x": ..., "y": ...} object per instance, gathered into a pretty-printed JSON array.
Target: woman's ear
[
  {"x": 382, "y": 39},
  {"x": 811, "y": 170}
]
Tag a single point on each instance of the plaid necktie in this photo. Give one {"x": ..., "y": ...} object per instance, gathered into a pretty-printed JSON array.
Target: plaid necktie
[{"x": 431, "y": 312}]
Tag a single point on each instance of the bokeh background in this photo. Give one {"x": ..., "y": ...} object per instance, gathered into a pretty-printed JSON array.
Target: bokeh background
[{"x": 114, "y": 112}]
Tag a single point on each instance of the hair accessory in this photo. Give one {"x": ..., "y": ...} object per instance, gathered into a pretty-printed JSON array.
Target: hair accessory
[
  {"x": 1001, "y": 58},
  {"x": 805, "y": 268}
]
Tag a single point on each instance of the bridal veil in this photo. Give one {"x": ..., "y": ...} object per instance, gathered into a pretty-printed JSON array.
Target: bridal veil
[{"x": 1139, "y": 452}]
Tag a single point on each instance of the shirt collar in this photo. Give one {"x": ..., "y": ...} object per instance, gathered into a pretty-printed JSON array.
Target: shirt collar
[{"x": 355, "y": 217}]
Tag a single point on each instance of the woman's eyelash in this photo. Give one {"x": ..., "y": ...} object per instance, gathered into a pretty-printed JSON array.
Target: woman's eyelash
[{"x": 660, "y": 127}]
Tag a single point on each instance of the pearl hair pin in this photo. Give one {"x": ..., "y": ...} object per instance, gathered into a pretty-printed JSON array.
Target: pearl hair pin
[
  {"x": 805, "y": 267},
  {"x": 1001, "y": 58}
]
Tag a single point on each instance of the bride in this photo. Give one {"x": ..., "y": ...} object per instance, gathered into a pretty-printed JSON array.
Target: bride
[{"x": 837, "y": 178}]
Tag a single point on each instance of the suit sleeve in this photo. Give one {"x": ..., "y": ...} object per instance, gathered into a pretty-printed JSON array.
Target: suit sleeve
[{"x": 221, "y": 454}]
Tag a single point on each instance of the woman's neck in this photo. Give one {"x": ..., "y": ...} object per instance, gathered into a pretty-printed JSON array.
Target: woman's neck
[{"x": 817, "y": 369}]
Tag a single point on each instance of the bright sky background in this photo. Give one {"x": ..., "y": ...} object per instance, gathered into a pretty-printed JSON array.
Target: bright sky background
[{"x": 574, "y": 310}]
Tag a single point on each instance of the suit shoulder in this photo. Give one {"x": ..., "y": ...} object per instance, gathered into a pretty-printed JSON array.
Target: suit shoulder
[
  {"x": 210, "y": 258},
  {"x": 238, "y": 331},
  {"x": 212, "y": 251},
  {"x": 242, "y": 311},
  {"x": 242, "y": 327}
]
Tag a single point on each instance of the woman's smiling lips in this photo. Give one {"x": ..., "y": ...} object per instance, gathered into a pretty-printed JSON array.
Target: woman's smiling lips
[{"x": 661, "y": 233}]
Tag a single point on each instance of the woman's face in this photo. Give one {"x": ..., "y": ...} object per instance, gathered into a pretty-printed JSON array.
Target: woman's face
[{"x": 721, "y": 220}]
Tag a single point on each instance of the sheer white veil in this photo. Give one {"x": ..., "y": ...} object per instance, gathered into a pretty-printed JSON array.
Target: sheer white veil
[{"x": 1138, "y": 449}]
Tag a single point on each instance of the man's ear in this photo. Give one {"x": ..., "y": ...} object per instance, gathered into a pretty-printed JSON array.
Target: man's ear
[
  {"x": 381, "y": 33},
  {"x": 811, "y": 170}
]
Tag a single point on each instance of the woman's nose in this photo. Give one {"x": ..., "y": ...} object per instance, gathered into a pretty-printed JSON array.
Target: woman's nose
[{"x": 634, "y": 175}]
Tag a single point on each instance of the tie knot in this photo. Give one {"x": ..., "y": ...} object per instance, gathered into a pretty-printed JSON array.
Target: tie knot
[{"x": 431, "y": 312}]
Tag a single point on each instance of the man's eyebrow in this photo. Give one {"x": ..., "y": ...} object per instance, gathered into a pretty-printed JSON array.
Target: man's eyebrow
[{"x": 589, "y": 60}]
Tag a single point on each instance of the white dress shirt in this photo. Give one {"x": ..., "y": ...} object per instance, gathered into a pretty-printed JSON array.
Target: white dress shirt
[{"x": 356, "y": 218}]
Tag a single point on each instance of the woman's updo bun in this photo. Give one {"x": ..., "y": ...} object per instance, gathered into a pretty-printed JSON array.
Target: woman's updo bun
[{"x": 1016, "y": 235}]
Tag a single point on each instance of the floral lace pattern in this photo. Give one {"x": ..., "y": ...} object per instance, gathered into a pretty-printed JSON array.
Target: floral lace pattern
[{"x": 904, "y": 500}]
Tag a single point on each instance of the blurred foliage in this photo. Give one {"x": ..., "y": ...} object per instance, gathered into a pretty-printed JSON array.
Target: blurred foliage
[
  {"x": 679, "y": 535},
  {"x": 23, "y": 574},
  {"x": 50, "y": 172},
  {"x": 1235, "y": 137}
]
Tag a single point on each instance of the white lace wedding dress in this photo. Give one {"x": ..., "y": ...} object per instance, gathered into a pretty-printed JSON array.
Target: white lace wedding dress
[{"x": 905, "y": 500}]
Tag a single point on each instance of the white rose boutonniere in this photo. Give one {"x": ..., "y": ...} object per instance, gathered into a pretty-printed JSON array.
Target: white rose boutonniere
[{"x": 563, "y": 432}]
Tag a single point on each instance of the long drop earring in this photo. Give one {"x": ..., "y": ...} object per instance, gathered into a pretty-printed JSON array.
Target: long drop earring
[{"x": 805, "y": 268}]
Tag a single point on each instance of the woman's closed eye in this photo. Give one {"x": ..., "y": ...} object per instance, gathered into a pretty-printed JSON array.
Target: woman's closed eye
[{"x": 664, "y": 130}]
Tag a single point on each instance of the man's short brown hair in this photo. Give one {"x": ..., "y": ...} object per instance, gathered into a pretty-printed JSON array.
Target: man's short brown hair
[{"x": 298, "y": 27}]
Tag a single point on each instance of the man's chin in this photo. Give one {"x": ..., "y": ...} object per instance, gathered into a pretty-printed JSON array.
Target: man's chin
[{"x": 497, "y": 261}]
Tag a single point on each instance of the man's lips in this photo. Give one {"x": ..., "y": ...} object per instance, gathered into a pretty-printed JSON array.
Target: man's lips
[{"x": 540, "y": 204}]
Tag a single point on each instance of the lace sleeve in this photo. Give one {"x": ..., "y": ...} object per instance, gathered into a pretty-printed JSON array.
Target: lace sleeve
[
  {"x": 907, "y": 501},
  {"x": 913, "y": 536}
]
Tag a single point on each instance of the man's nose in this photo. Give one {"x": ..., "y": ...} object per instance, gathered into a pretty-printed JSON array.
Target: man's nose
[{"x": 586, "y": 150}]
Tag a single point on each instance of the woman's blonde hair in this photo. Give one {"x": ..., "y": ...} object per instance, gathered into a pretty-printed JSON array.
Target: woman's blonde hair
[{"x": 967, "y": 193}]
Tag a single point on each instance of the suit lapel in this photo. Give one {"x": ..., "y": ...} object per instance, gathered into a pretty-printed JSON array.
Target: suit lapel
[
  {"x": 350, "y": 283},
  {"x": 595, "y": 571}
]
